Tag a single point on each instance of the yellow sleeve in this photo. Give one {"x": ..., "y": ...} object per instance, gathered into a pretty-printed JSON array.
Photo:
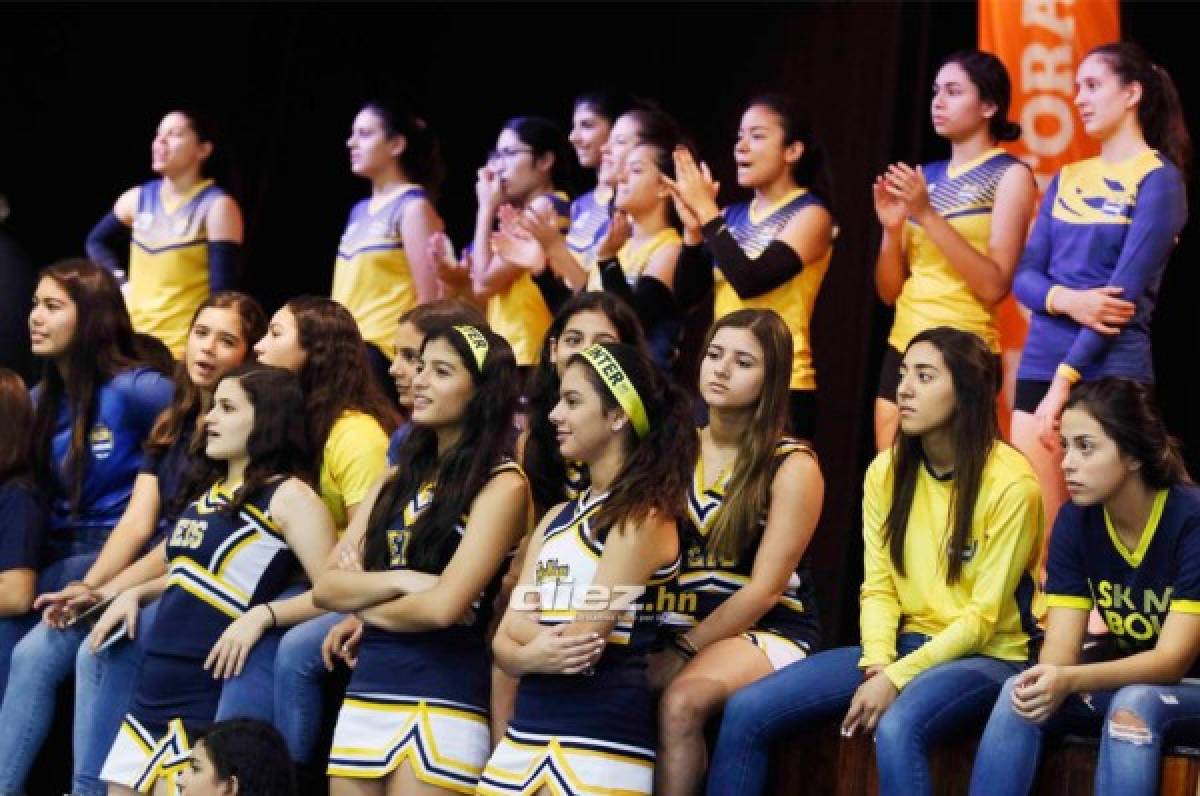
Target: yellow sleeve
[
  {"x": 355, "y": 455},
  {"x": 879, "y": 604},
  {"x": 1011, "y": 536}
]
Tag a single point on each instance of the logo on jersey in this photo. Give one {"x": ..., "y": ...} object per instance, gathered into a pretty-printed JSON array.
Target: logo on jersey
[{"x": 100, "y": 441}]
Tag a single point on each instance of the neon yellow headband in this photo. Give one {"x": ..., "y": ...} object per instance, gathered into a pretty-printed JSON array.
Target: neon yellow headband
[
  {"x": 613, "y": 375},
  {"x": 476, "y": 342}
]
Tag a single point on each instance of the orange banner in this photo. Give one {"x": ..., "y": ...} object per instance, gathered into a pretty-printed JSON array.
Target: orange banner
[{"x": 1041, "y": 42}]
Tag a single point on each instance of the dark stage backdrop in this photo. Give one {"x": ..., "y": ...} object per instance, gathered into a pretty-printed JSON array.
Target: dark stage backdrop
[{"x": 82, "y": 88}]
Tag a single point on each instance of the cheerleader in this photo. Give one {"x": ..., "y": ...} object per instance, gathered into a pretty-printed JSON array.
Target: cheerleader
[{"x": 186, "y": 231}]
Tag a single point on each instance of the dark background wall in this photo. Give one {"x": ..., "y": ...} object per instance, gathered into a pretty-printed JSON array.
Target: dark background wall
[{"x": 82, "y": 88}]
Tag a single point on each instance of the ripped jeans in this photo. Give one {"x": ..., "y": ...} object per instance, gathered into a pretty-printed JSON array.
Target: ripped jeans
[{"x": 1130, "y": 750}]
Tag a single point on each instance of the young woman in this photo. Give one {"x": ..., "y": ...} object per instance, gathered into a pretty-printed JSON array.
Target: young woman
[
  {"x": 240, "y": 757},
  {"x": 771, "y": 252},
  {"x": 1128, "y": 545},
  {"x": 349, "y": 421},
  {"x": 525, "y": 172},
  {"x": 383, "y": 267},
  {"x": 952, "y": 230},
  {"x": 186, "y": 231},
  {"x": 1091, "y": 271},
  {"x": 744, "y": 603},
  {"x": 441, "y": 529},
  {"x": 96, "y": 405},
  {"x": 219, "y": 340},
  {"x": 952, "y": 524},
  {"x": 231, "y": 554},
  {"x": 24, "y": 516},
  {"x": 570, "y": 632}
]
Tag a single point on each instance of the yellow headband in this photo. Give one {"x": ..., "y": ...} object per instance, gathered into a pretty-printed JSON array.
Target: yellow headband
[
  {"x": 613, "y": 375},
  {"x": 476, "y": 342}
]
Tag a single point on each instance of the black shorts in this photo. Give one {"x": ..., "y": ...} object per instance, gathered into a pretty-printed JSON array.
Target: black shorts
[
  {"x": 1029, "y": 394},
  {"x": 889, "y": 374}
]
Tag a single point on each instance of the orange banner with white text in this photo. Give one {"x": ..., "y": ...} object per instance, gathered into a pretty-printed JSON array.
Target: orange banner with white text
[{"x": 1041, "y": 42}]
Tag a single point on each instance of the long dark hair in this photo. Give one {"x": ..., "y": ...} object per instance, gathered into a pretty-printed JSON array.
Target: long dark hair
[
  {"x": 278, "y": 445},
  {"x": 990, "y": 77},
  {"x": 749, "y": 490},
  {"x": 1159, "y": 112},
  {"x": 220, "y": 165},
  {"x": 486, "y": 440},
  {"x": 190, "y": 401},
  {"x": 544, "y": 465},
  {"x": 102, "y": 346},
  {"x": 658, "y": 468},
  {"x": 422, "y": 155},
  {"x": 1128, "y": 414},
  {"x": 254, "y": 752},
  {"x": 976, "y": 430},
  {"x": 811, "y": 171},
  {"x": 336, "y": 376},
  {"x": 16, "y": 420},
  {"x": 542, "y": 136}
]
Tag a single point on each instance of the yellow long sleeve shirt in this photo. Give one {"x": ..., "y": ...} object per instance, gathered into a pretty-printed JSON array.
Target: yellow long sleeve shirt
[{"x": 991, "y": 607}]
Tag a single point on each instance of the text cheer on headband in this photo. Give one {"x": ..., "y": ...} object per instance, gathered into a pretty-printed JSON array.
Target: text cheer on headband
[
  {"x": 618, "y": 383},
  {"x": 476, "y": 342}
]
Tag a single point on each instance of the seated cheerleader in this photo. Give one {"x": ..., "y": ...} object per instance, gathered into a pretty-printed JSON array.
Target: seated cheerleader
[
  {"x": 744, "y": 603},
  {"x": 952, "y": 522},
  {"x": 231, "y": 553},
  {"x": 435, "y": 538},
  {"x": 1128, "y": 545},
  {"x": 574, "y": 630}
]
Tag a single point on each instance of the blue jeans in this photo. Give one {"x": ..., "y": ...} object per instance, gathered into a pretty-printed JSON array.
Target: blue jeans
[
  {"x": 40, "y": 661},
  {"x": 1007, "y": 760},
  {"x": 299, "y": 675},
  {"x": 936, "y": 704}
]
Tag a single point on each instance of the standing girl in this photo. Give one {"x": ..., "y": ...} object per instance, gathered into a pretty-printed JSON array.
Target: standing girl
[
  {"x": 186, "y": 231},
  {"x": 952, "y": 230},
  {"x": 1091, "y": 271},
  {"x": 771, "y": 252},
  {"x": 569, "y": 632},
  {"x": 952, "y": 520}
]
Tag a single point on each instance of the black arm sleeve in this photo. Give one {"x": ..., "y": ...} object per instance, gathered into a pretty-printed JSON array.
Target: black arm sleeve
[
  {"x": 554, "y": 291},
  {"x": 693, "y": 276},
  {"x": 612, "y": 278},
  {"x": 750, "y": 278},
  {"x": 223, "y": 260},
  {"x": 651, "y": 300},
  {"x": 105, "y": 242}
]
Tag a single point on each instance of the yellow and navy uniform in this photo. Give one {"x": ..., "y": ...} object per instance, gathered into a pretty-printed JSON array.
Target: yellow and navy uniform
[
  {"x": 1100, "y": 224},
  {"x": 935, "y": 294},
  {"x": 590, "y": 216},
  {"x": 168, "y": 261},
  {"x": 220, "y": 565},
  {"x": 519, "y": 313},
  {"x": 372, "y": 277},
  {"x": 634, "y": 257},
  {"x": 705, "y": 582},
  {"x": 1134, "y": 590},
  {"x": 354, "y": 456},
  {"x": 794, "y": 300},
  {"x": 581, "y": 734},
  {"x": 990, "y": 610},
  {"x": 420, "y": 697}
]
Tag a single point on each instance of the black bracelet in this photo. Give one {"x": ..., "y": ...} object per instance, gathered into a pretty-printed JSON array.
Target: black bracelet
[
  {"x": 685, "y": 648},
  {"x": 271, "y": 611}
]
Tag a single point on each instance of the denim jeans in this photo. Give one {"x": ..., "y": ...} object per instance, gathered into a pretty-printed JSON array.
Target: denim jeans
[
  {"x": 40, "y": 661},
  {"x": 299, "y": 675},
  {"x": 1008, "y": 755},
  {"x": 936, "y": 704}
]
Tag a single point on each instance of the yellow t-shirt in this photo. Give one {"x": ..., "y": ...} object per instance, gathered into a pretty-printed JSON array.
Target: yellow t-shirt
[
  {"x": 355, "y": 456},
  {"x": 635, "y": 258},
  {"x": 991, "y": 608}
]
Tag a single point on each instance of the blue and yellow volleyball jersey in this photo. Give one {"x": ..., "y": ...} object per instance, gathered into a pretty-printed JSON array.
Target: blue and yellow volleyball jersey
[
  {"x": 519, "y": 313},
  {"x": 705, "y": 581},
  {"x": 935, "y": 294},
  {"x": 1134, "y": 590},
  {"x": 634, "y": 257},
  {"x": 220, "y": 564},
  {"x": 590, "y": 215},
  {"x": 371, "y": 276},
  {"x": 793, "y": 300},
  {"x": 1100, "y": 224},
  {"x": 168, "y": 261}
]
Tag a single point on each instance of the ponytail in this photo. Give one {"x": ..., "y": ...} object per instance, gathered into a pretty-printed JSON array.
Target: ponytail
[{"x": 422, "y": 156}]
